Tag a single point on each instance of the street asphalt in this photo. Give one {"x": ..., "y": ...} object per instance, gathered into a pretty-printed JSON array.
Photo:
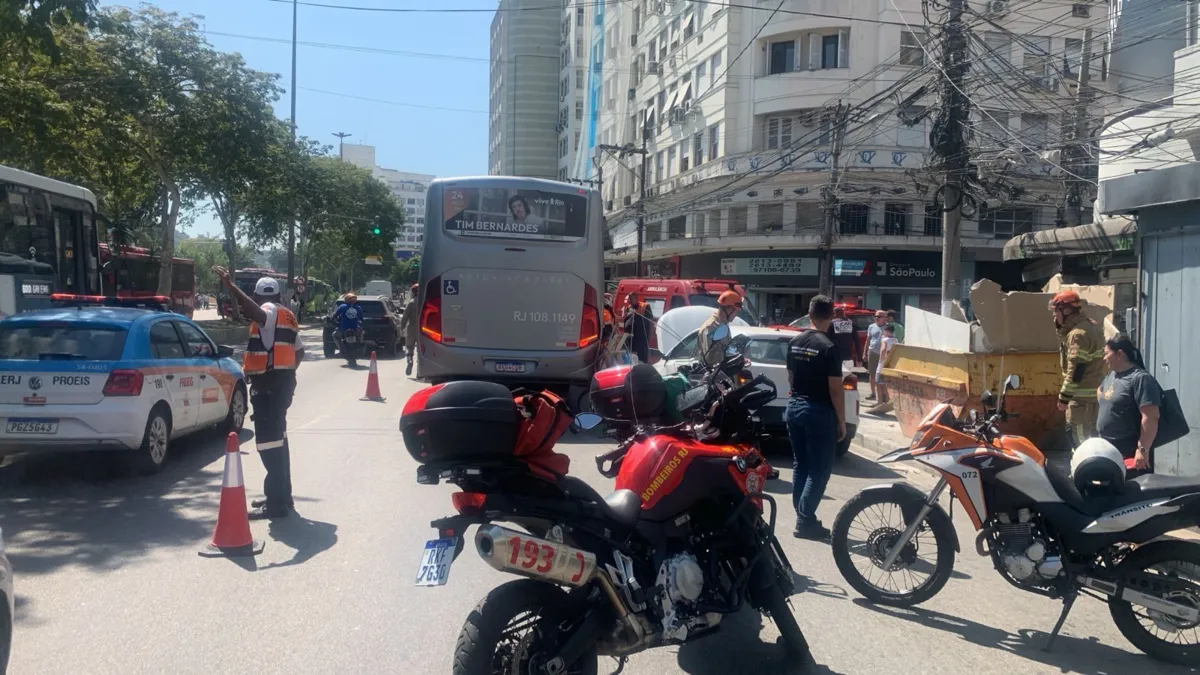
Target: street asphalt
[{"x": 108, "y": 579}]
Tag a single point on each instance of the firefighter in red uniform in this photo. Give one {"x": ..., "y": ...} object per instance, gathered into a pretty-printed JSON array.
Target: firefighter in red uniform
[{"x": 272, "y": 356}]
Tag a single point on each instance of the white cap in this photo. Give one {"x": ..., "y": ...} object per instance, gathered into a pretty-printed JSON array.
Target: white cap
[{"x": 266, "y": 286}]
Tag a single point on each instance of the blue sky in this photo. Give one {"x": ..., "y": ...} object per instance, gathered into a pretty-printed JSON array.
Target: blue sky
[{"x": 440, "y": 142}]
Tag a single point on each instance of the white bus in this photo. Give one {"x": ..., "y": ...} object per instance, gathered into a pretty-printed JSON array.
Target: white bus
[{"x": 511, "y": 281}]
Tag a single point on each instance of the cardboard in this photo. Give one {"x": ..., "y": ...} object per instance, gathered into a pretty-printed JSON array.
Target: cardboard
[{"x": 1098, "y": 300}]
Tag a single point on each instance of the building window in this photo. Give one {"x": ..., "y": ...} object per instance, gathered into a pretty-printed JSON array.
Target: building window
[
  {"x": 576, "y": 140},
  {"x": 1005, "y": 223},
  {"x": 770, "y": 218},
  {"x": 714, "y": 66},
  {"x": 853, "y": 218},
  {"x": 993, "y": 129},
  {"x": 677, "y": 227},
  {"x": 912, "y": 134},
  {"x": 1072, "y": 56},
  {"x": 684, "y": 147},
  {"x": 690, "y": 28},
  {"x": 411, "y": 200},
  {"x": 662, "y": 46},
  {"x": 670, "y": 161},
  {"x": 895, "y": 218},
  {"x": 911, "y": 51},
  {"x": 562, "y": 174},
  {"x": 698, "y": 224},
  {"x": 933, "y": 220},
  {"x": 810, "y": 217},
  {"x": 420, "y": 221},
  {"x": 658, "y": 167},
  {"x": 804, "y": 129},
  {"x": 579, "y": 48},
  {"x": 714, "y": 141},
  {"x": 698, "y": 148},
  {"x": 714, "y": 223},
  {"x": 562, "y": 147},
  {"x": 1035, "y": 128},
  {"x": 829, "y": 51},
  {"x": 1036, "y": 62},
  {"x": 578, "y": 110},
  {"x": 578, "y": 16},
  {"x": 778, "y": 132},
  {"x": 737, "y": 220},
  {"x": 783, "y": 57},
  {"x": 997, "y": 51},
  {"x": 700, "y": 71}
]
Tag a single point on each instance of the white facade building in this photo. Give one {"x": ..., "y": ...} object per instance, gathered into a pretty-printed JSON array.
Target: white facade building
[
  {"x": 742, "y": 115},
  {"x": 524, "y": 94},
  {"x": 409, "y": 190}
]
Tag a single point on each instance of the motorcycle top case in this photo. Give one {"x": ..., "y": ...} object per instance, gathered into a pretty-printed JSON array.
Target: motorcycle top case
[
  {"x": 460, "y": 421},
  {"x": 631, "y": 393}
]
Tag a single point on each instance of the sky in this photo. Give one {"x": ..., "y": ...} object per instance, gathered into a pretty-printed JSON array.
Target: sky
[{"x": 407, "y": 138}]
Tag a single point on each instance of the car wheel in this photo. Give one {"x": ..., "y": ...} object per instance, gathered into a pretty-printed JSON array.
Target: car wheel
[
  {"x": 152, "y": 455},
  {"x": 237, "y": 410}
]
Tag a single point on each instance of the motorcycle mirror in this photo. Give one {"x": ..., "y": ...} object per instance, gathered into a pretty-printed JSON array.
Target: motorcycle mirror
[
  {"x": 1012, "y": 382},
  {"x": 720, "y": 333},
  {"x": 987, "y": 398},
  {"x": 973, "y": 416},
  {"x": 585, "y": 421}
]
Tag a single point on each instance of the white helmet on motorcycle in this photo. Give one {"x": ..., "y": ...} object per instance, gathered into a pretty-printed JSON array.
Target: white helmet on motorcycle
[{"x": 1097, "y": 467}]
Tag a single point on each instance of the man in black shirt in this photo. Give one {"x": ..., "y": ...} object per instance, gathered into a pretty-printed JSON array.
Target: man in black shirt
[{"x": 816, "y": 416}]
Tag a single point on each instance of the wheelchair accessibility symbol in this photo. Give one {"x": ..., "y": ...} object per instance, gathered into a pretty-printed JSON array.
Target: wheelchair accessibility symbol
[{"x": 451, "y": 287}]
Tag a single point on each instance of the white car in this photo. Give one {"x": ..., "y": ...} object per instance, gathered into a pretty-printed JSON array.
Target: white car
[
  {"x": 7, "y": 607},
  {"x": 767, "y": 352},
  {"x": 113, "y": 378}
]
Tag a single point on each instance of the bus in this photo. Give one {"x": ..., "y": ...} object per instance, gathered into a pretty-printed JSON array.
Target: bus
[
  {"x": 50, "y": 236},
  {"x": 247, "y": 277},
  {"x": 133, "y": 273},
  {"x": 511, "y": 282}
]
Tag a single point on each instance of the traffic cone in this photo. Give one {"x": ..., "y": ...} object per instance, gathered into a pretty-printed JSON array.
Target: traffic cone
[
  {"x": 232, "y": 535},
  {"x": 373, "y": 393}
]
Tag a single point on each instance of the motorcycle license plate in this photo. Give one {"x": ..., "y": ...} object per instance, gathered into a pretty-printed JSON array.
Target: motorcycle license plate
[
  {"x": 434, "y": 569},
  {"x": 350, "y": 339}
]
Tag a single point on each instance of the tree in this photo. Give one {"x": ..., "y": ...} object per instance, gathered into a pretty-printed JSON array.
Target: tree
[
  {"x": 208, "y": 252},
  {"x": 30, "y": 24}
]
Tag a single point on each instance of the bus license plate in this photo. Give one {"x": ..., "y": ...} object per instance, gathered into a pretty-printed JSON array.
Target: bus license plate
[
  {"x": 435, "y": 562},
  {"x": 510, "y": 366},
  {"x": 31, "y": 426}
]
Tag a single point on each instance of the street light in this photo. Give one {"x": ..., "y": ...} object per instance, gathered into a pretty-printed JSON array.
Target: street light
[{"x": 340, "y": 136}]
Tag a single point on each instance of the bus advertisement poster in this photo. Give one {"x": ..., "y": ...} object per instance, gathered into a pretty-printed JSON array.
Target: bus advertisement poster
[{"x": 515, "y": 214}]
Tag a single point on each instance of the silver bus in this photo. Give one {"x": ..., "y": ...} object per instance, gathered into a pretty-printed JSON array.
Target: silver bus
[{"x": 511, "y": 281}]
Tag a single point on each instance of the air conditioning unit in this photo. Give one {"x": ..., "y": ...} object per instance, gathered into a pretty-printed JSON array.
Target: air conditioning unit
[
  {"x": 627, "y": 200},
  {"x": 654, "y": 68},
  {"x": 559, "y": 128},
  {"x": 657, "y": 8},
  {"x": 997, "y": 7},
  {"x": 608, "y": 205},
  {"x": 633, "y": 40},
  {"x": 632, "y": 94},
  {"x": 700, "y": 37},
  {"x": 1081, "y": 11}
]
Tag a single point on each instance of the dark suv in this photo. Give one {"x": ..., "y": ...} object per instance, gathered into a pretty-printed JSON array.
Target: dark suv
[{"x": 380, "y": 326}]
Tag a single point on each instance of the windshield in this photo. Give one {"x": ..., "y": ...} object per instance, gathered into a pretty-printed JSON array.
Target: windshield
[
  {"x": 50, "y": 234},
  {"x": 32, "y": 342},
  {"x": 512, "y": 213},
  {"x": 748, "y": 313}
]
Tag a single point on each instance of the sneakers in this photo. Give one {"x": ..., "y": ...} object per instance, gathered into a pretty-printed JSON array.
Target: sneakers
[
  {"x": 774, "y": 474},
  {"x": 265, "y": 513},
  {"x": 812, "y": 530}
]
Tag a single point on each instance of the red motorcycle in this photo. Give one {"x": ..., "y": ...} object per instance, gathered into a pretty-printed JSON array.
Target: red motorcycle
[{"x": 681, "y": 543}]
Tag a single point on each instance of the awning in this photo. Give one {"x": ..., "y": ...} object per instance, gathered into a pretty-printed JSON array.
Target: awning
[{"x": 1109, "y": 237}]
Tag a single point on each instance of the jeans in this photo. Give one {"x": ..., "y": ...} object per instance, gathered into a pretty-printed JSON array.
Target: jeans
[{"x": 812, "y": 429}]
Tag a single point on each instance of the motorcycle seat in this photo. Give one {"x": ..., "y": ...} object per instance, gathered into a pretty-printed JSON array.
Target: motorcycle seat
[
  {"x": 1157, "y": 486},
  {"x": 624, "y": 506}
]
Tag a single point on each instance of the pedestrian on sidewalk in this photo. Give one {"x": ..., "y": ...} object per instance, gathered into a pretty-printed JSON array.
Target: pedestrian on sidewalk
[
  {"x": 874, "y": 342},
  {"x": 889, "y": 341},
  {"x": 894, "y": 319},
  {"x": 408, "y": 324},
  {"x": 815, "y": 417},
  {"x": 1130, "y": 403},
  {"x": 1081, "y": 356},
  {"x": 273, "y": 354}
]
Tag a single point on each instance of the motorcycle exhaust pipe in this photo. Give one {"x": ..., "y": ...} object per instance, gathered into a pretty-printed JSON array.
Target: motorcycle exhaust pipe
[
  {"x": 525, "y": 555},
  {"x": 1175, "y": 609}
]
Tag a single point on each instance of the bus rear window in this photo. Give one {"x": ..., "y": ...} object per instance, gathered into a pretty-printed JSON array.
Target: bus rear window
[
  {"x": 511, "y": 213},
  {"x": 33, "y": 342}
]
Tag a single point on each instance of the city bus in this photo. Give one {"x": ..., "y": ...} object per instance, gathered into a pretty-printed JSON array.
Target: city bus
[
  {"x": 133, "y": 273},
  {"x": 247, "y": 277},
  {"x": 49, "y": 241},
  {"x": 511, "y": 281}
]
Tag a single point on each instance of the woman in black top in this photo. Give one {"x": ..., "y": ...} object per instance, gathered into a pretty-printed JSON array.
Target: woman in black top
[{"x": 1129, "y": 399}]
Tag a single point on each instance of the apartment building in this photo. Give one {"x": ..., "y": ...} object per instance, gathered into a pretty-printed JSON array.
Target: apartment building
[
  {"x": 524, "y": 94},
  {"x": 409, "y": 190},
  {"x": 742, "y": 119}
]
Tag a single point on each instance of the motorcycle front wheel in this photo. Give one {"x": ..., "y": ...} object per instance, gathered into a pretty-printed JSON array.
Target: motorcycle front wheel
[
  {"x": 863, "y": 534},
  {"x": 513, "y": 631},
  {"x": 1166, "y": 638}
]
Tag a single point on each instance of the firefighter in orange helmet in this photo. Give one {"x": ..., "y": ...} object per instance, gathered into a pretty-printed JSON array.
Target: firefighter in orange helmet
[
  {"x": 1081, "y": 356},
  {"x": 729, "y": 304},
  {"x": 272, "y": 356}
]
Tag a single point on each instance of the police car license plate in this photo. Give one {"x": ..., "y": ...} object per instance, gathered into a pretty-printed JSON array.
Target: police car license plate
[
  {"x": 435, "y": 562},
  {"x": 18, "y": 425},
  {"x": 510, "y": 366}
]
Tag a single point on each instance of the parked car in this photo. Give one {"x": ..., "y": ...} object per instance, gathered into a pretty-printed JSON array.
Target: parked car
[
  {"x": 767, "y": 352},
  {"x": 7, "y": 607},
  {"x": 381, "y": 326},
  {"x": 113, "y": 378}
]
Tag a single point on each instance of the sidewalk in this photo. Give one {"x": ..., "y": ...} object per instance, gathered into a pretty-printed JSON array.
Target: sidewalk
[{"x": 879, "y": 435}]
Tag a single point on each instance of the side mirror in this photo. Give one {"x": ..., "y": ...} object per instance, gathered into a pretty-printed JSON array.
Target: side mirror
[
  {"x": 720, "y": 333},
  {"x": 225, "y": 351},
  {"x": 585, "y": 421},
  {"x": 1012, "y": 382},
  {"x": 973, "y": 416},
  {"x": 987, "y": 398}
]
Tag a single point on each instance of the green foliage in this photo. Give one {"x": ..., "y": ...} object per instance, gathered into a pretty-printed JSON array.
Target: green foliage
[{"x": 28, "y": 25}]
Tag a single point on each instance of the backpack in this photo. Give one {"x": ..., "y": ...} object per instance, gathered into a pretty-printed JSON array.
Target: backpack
[{"x": 545, "y": 418}]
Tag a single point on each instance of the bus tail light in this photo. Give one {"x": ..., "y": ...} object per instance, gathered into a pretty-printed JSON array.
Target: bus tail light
[
  {"x": 431, "y": 311},
  {"x": 589, "y": 327},
  {"x": 124, "y": 383}
]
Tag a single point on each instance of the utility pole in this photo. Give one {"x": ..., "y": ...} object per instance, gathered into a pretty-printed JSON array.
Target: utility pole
[
  {"x": 1078, "y": 158},
  {"x": 829, "y": 195},
  {"x": 952, "y": 147},
  {"x": 621, "y": 152},
  {"x": 291, "y": 240},
  {"x": 341, "y": 136}
]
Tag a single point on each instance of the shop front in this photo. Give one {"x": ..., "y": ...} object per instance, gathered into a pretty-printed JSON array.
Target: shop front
[{"x": 783, "y": 282}]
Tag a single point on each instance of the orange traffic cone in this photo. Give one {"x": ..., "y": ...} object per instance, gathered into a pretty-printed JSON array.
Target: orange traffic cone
[
  {"x": 232, "y": 535},
  {"x": 373, "y": 393}
]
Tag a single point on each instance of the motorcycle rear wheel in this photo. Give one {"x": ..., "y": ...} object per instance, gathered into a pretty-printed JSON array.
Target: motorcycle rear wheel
[
  {"x": 1143, "y": 627},
  {"x": 485, "y": 646}
]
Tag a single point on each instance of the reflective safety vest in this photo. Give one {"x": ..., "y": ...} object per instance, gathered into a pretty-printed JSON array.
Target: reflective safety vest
[{"x": 282, "y": 354}]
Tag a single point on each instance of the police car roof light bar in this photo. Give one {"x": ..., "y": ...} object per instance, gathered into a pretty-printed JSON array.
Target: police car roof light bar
[{"x": 159, "y": 302}]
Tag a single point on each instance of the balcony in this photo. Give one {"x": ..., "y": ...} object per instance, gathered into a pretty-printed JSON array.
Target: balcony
[{"x": 801, "y": 89}]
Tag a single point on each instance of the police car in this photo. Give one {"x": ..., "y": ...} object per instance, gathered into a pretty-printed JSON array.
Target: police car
[{"x": 113, "y": 378}]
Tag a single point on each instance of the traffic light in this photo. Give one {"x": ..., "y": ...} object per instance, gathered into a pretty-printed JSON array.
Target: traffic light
[{"x": 375, "y": 231}]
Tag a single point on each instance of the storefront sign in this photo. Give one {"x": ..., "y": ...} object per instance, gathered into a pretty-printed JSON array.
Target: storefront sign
[{"x": 746, "y": 266}]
